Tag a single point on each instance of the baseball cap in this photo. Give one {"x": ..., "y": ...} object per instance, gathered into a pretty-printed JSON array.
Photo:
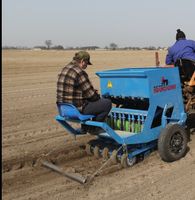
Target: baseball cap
[{"x": 82, "y": 55}]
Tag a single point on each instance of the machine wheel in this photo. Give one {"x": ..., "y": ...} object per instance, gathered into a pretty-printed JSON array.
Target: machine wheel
[
  {"x": 96, "y": 152},
  {"x": 114, "y": 157},
  {"x": 105, "y": 153},
  {"x": 126, "y": 162},
  {"x": 88, "y": 149},
  {"x": 172, "y": 143}
]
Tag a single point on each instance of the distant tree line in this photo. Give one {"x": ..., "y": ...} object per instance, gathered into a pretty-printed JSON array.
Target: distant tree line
[
  {"x": 16, "y": 47},
  {"x": 113, "y": 46}
]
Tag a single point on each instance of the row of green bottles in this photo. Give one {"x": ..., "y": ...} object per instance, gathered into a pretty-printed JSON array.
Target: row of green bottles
[
  {"x": 135, "y": 127},
  {"x": 128, "y": 126},
  {"x": 114, "y": 123}
]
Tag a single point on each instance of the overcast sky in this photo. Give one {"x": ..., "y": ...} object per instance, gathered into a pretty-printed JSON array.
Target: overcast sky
[{"x": 96, "y": 22}]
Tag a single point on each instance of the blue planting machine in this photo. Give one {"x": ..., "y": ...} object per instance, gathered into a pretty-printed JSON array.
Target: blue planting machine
[{"x": 148, "y": 113}]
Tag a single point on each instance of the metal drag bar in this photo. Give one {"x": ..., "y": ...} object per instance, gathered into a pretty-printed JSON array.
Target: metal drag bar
[{"x": 71, "y": 176}]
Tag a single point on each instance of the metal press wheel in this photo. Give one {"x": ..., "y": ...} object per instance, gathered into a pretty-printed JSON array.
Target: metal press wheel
[
  {"x": 96, "y": 152},
  {"x": 127, "y": 162},
  {"x": 88, "y": 149},
  {"x": 114, "y": 157},
  {"x": 105, "y": 153},
  {"x": 172, "y": 143}
]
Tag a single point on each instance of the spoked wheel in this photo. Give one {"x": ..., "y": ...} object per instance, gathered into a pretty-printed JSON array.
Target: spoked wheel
[
  {"x": 127, "y": 162},
  {"x": 172, "y": 143}
]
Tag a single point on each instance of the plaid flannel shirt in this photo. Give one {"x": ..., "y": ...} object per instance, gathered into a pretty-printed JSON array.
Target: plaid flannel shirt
[{"x": 74, "y": 86}]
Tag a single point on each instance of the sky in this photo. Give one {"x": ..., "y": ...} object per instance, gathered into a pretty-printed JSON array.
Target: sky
[{"x": 77, "y": 23}]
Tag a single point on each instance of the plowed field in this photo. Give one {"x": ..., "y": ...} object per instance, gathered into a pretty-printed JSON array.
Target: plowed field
[{"x": 31, "y": 134}]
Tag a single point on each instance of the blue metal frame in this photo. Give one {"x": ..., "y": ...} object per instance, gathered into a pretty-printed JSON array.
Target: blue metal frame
[{"x": 160, "y": 85}]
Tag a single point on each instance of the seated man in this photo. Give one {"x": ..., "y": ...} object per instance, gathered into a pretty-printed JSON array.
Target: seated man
[{"x": 74, "y": 87}]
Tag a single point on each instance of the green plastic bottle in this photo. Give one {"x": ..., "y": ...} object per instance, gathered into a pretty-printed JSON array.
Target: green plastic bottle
[
  {"x": 127, "y": 125},
  {"x": 136, "y": 127},
  {"x": 118, "y": 124},
  {"x": 139, "y": 127},
  {"x": 132, "y": 126}
]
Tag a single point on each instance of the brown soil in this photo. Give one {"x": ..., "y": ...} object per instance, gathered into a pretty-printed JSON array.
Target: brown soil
[{"x": 31, "y": 134}]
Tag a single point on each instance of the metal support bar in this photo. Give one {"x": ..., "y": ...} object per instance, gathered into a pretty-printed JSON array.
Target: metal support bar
[
  {"x": 104, "y": 164},
  {"x": 74, "y": 177}
]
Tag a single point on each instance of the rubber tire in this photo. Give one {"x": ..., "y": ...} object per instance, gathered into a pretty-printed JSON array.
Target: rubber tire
[{"x": 164, "y": 142}]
